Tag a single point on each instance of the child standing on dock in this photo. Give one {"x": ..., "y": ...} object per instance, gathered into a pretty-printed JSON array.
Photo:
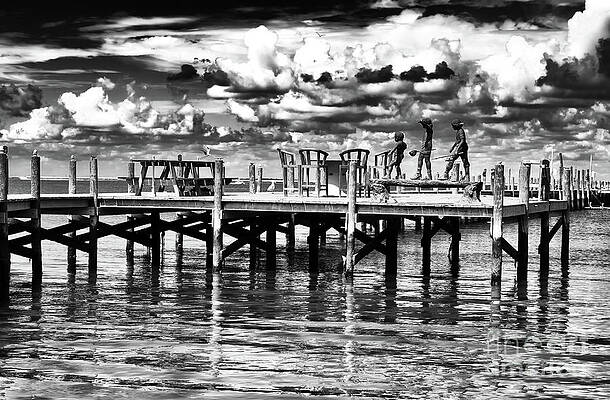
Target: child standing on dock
[
  {"x": 459, "y": 149},
  {"x": 397, "y": 154},
  {"x": 426, "y": 149}
]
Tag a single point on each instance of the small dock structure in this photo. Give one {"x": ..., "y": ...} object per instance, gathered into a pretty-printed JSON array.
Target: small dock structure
[{"x": 206, "y": 209}]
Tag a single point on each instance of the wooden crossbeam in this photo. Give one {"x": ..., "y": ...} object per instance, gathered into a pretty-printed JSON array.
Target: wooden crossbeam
[
  {"x": 17, "y": 226},
  {"x": 119, "y": 230},
  {"x": 191, "y": 231},
  {"x": 372, "y": 241},
  {"x": 22, "y": 251},
  {"x": 509, "y": 249},
  {"x": 373, "y": 244},
  {"x": 555, "y": 228},
  {"x": 243, "y": 238}
]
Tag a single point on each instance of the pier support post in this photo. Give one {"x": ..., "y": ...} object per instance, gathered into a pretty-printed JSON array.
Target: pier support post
[
  {"x": 350, "y": 220},
  {"x": 496, "y": 228},
  {"x": 456, "y": 236},
  {"x": 71, "y": 256},
  {"x": 523, "y": 234},
  {"x": 217, "y": 217},
  {"x": 543, "y": 248},
  {"x": 179, "y": 245},
  {"x": 93, "y": 219},
  {"x": 35, "y": 221},
  {"x": 208, "y": 247},
  {"x": 271, "y": 245},
  {"x": 565, "y": 215},
  {"x": 259, "y": 179},
  {"x": 426, "y": 244},
  {"x": 5, "y": 254},
  {"x": 290, "y": 236},
  {"x": 131, "y": 188},
  {"x": 313, "y": 241},
  {"x": 253, "y": 249},
  {"x": 391, "y": 245},
  {"x": 155, "y": 240},
  {"x": 252, "y": 178}
]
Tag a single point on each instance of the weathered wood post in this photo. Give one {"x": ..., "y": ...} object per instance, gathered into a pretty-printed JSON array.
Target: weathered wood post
[
  {"x": 578, "y": 190},
  {"x": 131, "y": 188},
  {"x": 271, "y": 244},
  {"x": 93, "y": 219},
  {"x": 155, "y": 240},
  {"x": 253, "y": 246},
  {"x": 588, "y": 188},
  {"x": 426, "y": 244},
  {"x": 35, "y": 221},
  {"x": 496, "y": 227},
  {"x": 252, "y": 178},
  {"x": 523, "y": 235},
  {"x": 290, "y": 236},
  {"x": 543, "y": 248},
  {"x": 391, "y": 245},
  {"x": 259, "y": 179},
  {"x": 565, "y": 215},
  {"x": 313, "y": 241},
  {"x": 71, "y": 257},
  {"x": 456, "y": 236},
  {"x": 5, "y": 254},
  {"x": 350, "y": 222},
  {"x": 217, "y": 215},
  {"x": 179, "y": 235}
]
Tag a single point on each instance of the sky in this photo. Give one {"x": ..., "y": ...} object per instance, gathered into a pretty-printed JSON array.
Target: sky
[{"x": 529, "y": 78}]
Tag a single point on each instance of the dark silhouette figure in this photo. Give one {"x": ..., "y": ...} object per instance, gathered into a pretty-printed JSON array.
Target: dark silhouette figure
[
  {"x": 397, "y": 154},
  {"x": 459, "y": 149},
  {"x": 426, "y": 149}
]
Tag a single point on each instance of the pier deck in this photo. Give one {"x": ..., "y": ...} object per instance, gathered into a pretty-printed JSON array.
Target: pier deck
[{"x": 228, "y": 221}]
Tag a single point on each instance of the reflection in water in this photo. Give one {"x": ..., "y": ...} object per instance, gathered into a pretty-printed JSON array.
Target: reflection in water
[
  {"x": 349, "y": 331},
  {"x": 390, "y": 300},
  {"x": 182, "y": 329},
  {"x": 216, "y": 328}
]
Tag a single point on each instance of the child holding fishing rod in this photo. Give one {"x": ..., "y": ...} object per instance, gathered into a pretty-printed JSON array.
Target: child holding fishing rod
[{"x": 459, "y": 149}]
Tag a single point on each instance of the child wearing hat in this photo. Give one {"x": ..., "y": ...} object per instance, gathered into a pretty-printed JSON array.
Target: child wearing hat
[
  {"x": 426, "y": 149},
  {"x": 459, "y": 149}
]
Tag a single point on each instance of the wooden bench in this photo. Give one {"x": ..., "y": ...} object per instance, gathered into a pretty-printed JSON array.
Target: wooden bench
[{"x": 472, "y": 190}]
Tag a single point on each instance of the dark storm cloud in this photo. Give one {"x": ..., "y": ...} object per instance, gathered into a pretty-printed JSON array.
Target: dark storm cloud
[
  {"x": 537, "y": 12},
  {"x": 187, "y": 72},
  {"x": 19, "y": 101},
  {"x": 415, "y": 74},
  {"x": 367, "y": 75}
]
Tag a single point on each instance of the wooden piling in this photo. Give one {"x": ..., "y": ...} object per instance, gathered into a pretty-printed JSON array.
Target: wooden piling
[
  {"x": 93, "y": 219},
  {"x": 543, "y": 248},
  {"x": 131, "y": 188},
  {"x": 252, "y": 243},
  {"x": 179, "y": 244},
  {"x": 259, "y": 179},
  {"x": 71, "y": 256},
  {"x": 351, "y": 220},
  {"x": 565, "y": 215},
  {"x": 313, "y": 242},
  {"x": 456, "y": 236},
  {"x": 588, "y": 188},
  {"x": 155, "y": 240},
  {"x": 35, "y": 221},
  {"x": 523, "y": 234},
  {"x": 578, "y": 191},
  {"x": 290, "y": 236},
  {"x": 252, "y": 178},
  {"x": 426, "y": 243},
  {"x": 391, "y": 245},
  {"x": 271, "y": 245},
  {"x": 5, "y": 254},
  {"x": 217, "y": 217},
  {"x": 496, "y": 225}
]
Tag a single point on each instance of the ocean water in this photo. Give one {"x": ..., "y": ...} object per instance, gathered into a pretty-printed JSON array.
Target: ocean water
[{"x": 185, "y": 332}]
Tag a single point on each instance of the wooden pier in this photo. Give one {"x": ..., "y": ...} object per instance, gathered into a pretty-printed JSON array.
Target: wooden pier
[{"x": 228, "y": 221}]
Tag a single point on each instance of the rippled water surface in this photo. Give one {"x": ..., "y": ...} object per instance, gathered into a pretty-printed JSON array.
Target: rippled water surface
[{"x": 185, "y": 332}]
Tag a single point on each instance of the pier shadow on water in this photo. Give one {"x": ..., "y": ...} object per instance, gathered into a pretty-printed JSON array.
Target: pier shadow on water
[{"x": 183, "y": 331}]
